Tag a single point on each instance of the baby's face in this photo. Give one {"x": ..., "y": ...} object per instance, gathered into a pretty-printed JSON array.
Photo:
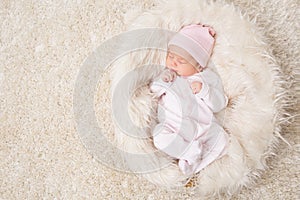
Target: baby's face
[{"x": 181, "y": 62}]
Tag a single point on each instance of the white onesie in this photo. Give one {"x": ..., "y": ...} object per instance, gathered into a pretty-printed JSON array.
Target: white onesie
[{"x": 187, "y": 129}]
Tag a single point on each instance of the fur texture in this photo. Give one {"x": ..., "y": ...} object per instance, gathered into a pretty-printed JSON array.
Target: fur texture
[
  {"x": 248, "y": 72},
  {"x": 43, "y": 45}
]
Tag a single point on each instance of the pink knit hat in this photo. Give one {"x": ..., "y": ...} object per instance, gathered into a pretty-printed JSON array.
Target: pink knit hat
[{"x": 198, "y": 40}]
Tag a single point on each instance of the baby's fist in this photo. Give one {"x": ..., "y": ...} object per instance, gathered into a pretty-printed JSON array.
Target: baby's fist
[
  {"x": 168, "y": 75},
  {"x": 196, "y": 87}
]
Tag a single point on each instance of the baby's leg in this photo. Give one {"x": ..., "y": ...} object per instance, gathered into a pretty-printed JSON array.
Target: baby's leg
[
  {"x": 175, "y": 145},
  {"x": 188, "y": 129},
  {"x": 169, "y": 142}
]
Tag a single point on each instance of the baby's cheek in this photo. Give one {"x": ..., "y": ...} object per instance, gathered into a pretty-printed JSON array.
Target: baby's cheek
[{"x": 168, "y": 62}]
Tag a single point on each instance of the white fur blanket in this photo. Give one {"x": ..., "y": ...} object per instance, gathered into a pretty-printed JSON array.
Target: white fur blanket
[{"x": 249, "y": 75}]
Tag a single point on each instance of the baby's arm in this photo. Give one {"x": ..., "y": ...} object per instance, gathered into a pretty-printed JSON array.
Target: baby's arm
[
  {"x": 162, "y": 82},
  {"x": 211, "y": 92}
]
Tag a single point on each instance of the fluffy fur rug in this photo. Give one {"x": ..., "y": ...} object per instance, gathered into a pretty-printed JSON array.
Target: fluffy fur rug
[
  {"x": 42, "y": 47},
  {"x": 252, "y": 81}
]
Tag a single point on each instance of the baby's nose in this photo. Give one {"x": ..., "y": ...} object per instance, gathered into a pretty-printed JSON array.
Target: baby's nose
[{"x": 174, "y": 63}]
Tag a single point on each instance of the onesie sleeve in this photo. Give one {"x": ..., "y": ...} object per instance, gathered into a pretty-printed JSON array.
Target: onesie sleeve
[
  {"x": 157, "y": 89},
  {"x": 212, "y": 92}
]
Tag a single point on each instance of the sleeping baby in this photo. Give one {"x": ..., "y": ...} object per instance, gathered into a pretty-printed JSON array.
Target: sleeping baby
[{"x": 189, "y": 94}]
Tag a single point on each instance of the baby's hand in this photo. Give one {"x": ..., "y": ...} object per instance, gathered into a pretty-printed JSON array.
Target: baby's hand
[
  {"x": 168, "y": 75},
  {"x": 196, "y": 87}
]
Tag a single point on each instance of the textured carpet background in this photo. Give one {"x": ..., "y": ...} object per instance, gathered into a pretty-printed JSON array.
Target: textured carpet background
[{"x": 42, "y": 47}]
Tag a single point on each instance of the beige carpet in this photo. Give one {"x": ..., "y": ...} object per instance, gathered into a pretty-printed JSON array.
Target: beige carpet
[{"x": 42, "y": 47}]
